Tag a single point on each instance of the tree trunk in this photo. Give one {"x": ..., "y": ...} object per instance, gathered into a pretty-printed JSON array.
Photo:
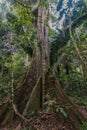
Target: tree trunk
[{"x": 42, "y": 47}]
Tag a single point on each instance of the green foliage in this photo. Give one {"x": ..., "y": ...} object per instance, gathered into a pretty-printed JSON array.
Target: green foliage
[
  {"x": 85, "y": 105},
  {"x": 85, "y": 2},
  {"x": 29, "y": 113},
  {"x": 51, "y": 104},
  {"x": 2, "y": 5},
  {"x": 12, "y": 1},
  {"x": 82, "y": 102},
  {"x": 57, "y": 42},
  {"x": 45, "y": 3},
  {"x": 17, "y": 37},
  {"x": 24, "y": 128},
  {"x": 84, "y": 125},
  {"x": 3, "y": 29},
  {"x": 18, "y": 30},
  {"x": 61, "y": 110},
  {"x": 11, "y": 18},
  {"x": 11, "y": 64}
]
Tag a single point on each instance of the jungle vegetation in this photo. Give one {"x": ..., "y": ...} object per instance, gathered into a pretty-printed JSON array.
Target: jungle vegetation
[{"x": 43, "y": 74}]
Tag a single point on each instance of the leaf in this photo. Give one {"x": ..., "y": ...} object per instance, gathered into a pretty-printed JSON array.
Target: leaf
[
  {"x": 57, "y": 110},
  {"x": 63, "y": 112}
]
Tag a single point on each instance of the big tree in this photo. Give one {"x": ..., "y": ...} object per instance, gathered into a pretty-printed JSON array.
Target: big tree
[{"x": 39, "y": 86}]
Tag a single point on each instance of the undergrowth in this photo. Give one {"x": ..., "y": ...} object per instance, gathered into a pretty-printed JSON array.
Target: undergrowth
[{"x": 84, "y": 125}]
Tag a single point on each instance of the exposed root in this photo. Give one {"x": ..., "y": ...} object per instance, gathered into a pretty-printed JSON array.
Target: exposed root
[
  {"x": 75, "y": 117},
  {"x": 18, "y": 114},
  {"x": 18, "y": 127},
  {"x": 22, "y": 118},
  {"x": 32, "y": 98},
  {"x": 74, "y": 107},
  {"x": 34, "y": 102}
]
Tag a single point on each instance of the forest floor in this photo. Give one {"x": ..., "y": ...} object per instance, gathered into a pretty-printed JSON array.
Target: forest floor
[
  {"x": 45, "y": 121},
  {"x": 48, "y": 121}
]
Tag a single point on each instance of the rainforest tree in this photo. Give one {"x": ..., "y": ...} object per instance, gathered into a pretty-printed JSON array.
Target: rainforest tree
[{"x": 38, "y": 85}]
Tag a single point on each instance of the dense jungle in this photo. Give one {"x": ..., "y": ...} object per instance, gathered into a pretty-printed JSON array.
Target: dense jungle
[{"x": 43, "y": 64}]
